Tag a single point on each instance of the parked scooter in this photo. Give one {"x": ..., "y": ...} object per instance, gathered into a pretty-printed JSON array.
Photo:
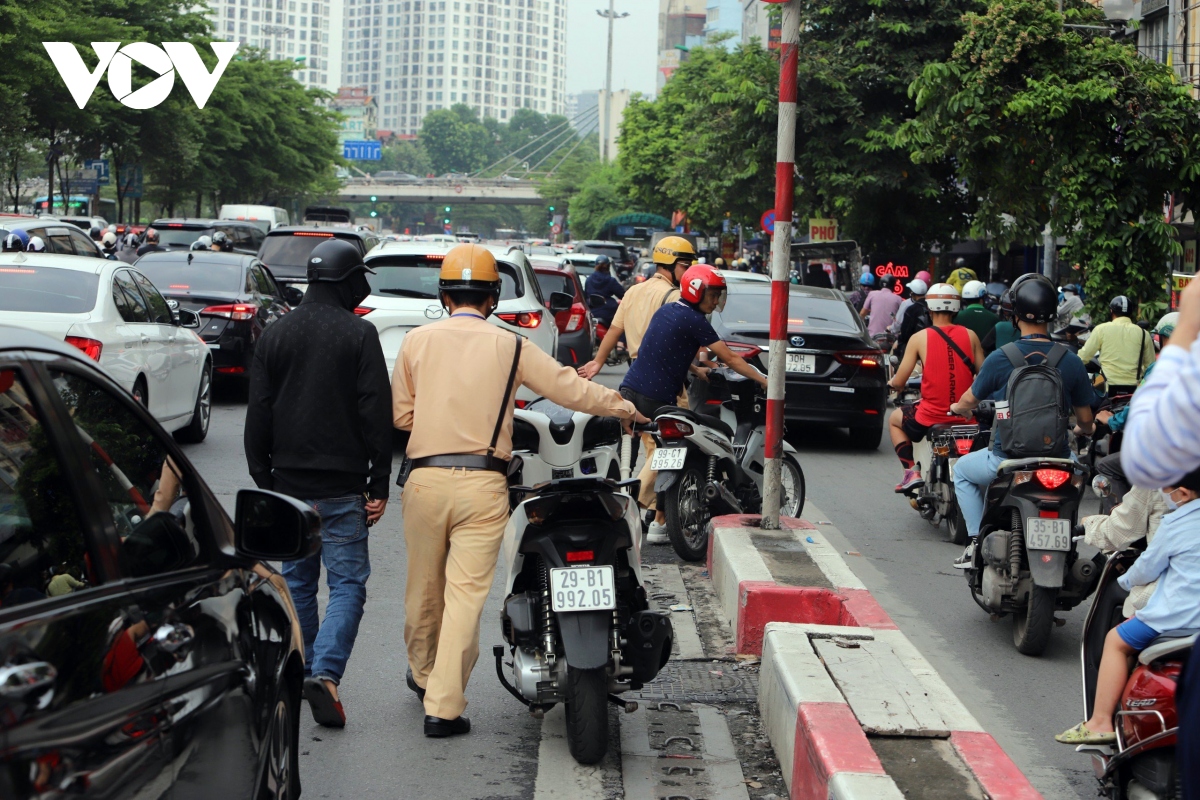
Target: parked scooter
[
  {"x": 1026, "y": 562},
  {"x": 708, "y": 466},
  {"x": 576, "y": 616},
  {"x": 1141, "y": 765}
]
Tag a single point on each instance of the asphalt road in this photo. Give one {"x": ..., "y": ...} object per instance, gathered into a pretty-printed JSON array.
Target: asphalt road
[{"x": 904, "y": 560}]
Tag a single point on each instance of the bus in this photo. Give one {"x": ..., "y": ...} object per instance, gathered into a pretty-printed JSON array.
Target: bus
[{"x": 78, "y": 205}]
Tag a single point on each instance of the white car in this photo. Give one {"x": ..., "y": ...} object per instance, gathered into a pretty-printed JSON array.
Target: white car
[
  {"x": 114, "y": 314},
  {"x": 404, "y": 295}
]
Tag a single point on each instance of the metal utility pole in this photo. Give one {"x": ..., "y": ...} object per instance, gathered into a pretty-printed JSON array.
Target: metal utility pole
[
  {"x": 610, "y": 15},
  {"x": 781, "y": 252}
]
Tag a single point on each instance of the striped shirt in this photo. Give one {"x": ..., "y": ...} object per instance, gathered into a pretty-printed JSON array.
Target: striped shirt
[{"x": 1162, "y": 434}]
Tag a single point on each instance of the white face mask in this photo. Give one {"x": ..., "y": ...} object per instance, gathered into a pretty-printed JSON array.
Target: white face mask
[{"x": 1166, "y": 496}]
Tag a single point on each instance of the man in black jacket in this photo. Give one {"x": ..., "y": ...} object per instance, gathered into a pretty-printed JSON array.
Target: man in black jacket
[{"x": 319, "y": 428}]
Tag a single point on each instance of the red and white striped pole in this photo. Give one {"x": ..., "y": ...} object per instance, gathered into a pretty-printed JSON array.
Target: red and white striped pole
[{"x": 781, "y": 251}]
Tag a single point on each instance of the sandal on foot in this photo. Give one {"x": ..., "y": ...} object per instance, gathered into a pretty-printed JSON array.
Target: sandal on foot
[{"x": 1081, "y": 735}]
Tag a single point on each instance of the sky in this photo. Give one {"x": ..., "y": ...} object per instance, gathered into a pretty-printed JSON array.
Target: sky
[{"x": 635, "y": 41}]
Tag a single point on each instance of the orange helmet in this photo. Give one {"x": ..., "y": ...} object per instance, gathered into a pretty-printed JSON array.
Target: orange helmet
[
  {"x": 697, "y": 280},
  {"x": 470, "y": 267},
  {"x": 672, "y": 248}
]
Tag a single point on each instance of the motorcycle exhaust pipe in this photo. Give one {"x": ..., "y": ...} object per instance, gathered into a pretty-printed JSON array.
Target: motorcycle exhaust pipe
[{"x": 721, "y": 499}]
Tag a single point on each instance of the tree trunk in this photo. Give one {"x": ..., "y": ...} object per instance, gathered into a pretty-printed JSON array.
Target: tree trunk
[{"x": 199, "y": 203}]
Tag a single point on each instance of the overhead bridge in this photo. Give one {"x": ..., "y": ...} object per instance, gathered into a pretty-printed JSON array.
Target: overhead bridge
[{"x": 442, "y": 191}]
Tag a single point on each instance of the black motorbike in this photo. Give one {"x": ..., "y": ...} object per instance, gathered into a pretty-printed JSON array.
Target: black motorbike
[{"x": 1026, "y": 562}]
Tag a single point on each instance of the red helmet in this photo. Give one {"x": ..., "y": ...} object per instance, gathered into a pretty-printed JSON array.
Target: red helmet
[{"x": 699, "y": 279}]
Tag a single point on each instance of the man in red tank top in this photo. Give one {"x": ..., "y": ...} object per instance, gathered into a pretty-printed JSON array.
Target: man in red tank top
[{"x": 950, "y": 355}]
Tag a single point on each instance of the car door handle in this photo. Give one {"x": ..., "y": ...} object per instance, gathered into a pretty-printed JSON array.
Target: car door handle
[
  {"x": 18, "y": 680},
  {"x": 171, "y": 638},
  {"x": 145, "y": 339}
]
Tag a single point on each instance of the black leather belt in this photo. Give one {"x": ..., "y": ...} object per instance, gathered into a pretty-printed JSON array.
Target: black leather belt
[{"x": 488, "y": 463}]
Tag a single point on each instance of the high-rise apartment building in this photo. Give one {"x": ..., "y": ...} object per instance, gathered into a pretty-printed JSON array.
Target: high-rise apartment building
[
  {"x": 295, "y": 30},
  {"x": 416, "y": 56},
  {"x": 680, "y": 26}
]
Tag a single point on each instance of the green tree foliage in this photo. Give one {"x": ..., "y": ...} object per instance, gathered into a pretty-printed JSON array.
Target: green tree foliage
[
  {"x": 856, "y": 61},
  {"x": 457, "y": 141},
  {"x": 598, "y": 200},
  {"x": 1047, "y": 124},
  {"x": 706, "y": 144},
  {"x": 405, "y": 155}
]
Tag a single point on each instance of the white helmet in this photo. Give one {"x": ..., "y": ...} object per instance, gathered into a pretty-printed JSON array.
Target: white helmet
[
  {"x": 943, "y": 297},
  {"x": 974, "y": 290},
  {"x": 918, "y": 287},
  {"x": 109, "y": 240},
  {"x": 36, "y": 245}
]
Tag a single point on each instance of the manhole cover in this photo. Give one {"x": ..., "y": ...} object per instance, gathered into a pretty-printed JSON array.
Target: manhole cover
[{"x": 700, "y": 682}]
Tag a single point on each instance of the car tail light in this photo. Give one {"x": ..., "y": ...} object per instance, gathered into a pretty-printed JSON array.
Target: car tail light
[
  {"x": 238, "y": 312},
  {"x": 362, "y": 311},
  {"x": 231, "y": 370},
  {"x": 90, "y": 347},
  {"x": 746, "y": 351},
  {"x": 174, "y": 224},
  {"x": 436, "y": 257},
  {"x": 523, "y": 319},
  {"x": 1052, "y": 478},
  {"x": 862, "y": 358},
  {"x": 673, "y": 429},
  {"x": 575, "y": 556},
  {"x": 963, "y": 446},
  {"x": 313, "y": 233}
]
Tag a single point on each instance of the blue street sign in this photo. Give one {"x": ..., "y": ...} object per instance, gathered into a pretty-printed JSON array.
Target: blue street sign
[
  {"x": 679, "y": 229},
  {"x": 625, "y": 230},
  {"x": 130, "y": 181},
  {"x": 768, "y": 221},
  {"x": 100, "y": 165},
  {"x": 362, "y": 151}
]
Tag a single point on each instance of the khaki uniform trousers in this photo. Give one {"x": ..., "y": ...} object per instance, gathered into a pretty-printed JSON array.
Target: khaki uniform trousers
[
  {"x": 454, "y": 522},
  {"x": 647, "y": 498}
]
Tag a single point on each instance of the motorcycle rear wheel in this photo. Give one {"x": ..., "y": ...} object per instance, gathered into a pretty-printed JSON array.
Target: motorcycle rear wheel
[
  {"x": 587, "y": 714},
  {"x": 1031, "y": 627},
  {"x": 688, "y": 514},
  {"x": 956, "y": 525}
]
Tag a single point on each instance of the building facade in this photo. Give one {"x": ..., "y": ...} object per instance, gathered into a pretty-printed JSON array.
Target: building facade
[
  {"x": 295, "y": 30},
  {"x": 360, "y": 114},
  {"x": 723, "y": 16},
  {"x": 416, "y": 56},
  {"x": 755, "y": 21},
  {"x": 680, "y": 26},
  {"x": 581, "y": 109}
]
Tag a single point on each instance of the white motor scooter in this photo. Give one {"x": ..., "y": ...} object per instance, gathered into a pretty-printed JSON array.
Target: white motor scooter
[{"x": 553, "y": 443}]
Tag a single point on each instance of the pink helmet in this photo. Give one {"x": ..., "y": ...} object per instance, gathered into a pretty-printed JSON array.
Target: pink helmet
[{"x": 923, "y": 275}]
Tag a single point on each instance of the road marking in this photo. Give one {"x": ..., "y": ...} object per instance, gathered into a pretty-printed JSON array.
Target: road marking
[
  {"x": 669, "y": 579},
  {"x": 559, "y": 776}
]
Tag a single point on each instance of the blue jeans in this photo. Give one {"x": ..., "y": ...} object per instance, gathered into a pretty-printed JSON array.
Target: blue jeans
[
  {"x": 347, "y": 566},
  {"x": 973, "y": 473}
]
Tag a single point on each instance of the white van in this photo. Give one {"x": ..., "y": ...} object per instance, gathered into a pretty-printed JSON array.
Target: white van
[{"x": 265, "y": 217}]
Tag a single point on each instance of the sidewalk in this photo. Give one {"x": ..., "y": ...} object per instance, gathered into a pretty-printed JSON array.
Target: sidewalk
[{"x": 851, "y": 707}]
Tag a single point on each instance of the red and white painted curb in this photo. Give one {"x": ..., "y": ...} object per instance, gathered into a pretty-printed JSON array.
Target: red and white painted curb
[{"x": 818, "y": 734}]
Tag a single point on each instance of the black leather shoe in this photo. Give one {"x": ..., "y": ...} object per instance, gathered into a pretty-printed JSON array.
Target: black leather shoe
[
  {"x": 436, "y": 726},
  {"x": 412, "y": 684}
]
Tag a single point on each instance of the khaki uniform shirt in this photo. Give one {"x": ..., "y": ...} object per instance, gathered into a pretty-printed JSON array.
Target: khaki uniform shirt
[
  {"x": 638, "y": 306},
  {"x": 1120, "y": 344},
  {"x": 448, "y": 387}
]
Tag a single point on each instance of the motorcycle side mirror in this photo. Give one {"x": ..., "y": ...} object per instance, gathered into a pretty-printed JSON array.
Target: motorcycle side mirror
[{"x": 596, "y": 301}]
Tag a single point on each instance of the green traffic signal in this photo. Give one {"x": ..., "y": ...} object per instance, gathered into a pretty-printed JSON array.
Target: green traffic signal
[
  {"x": 446, "y": 221},
  {"x": 374, "y": 213},
  {"x": 447, "y": 209},
  {"x": 373, "y": 198},
  {"x": 552, "y": 209}
]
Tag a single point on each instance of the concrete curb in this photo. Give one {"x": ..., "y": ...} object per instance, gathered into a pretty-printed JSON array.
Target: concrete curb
[{"x": 818, "y": 737}]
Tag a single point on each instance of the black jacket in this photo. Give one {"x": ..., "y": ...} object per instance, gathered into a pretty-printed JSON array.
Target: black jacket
[{"x": 320, "y": 399}]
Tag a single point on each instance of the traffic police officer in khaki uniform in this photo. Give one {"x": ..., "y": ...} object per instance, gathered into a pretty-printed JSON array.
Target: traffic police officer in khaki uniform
[{"x": 453, "y": 387}]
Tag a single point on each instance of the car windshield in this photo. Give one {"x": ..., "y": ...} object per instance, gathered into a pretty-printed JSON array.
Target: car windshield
[
  {"x": 755, "y": 307},
  {"x": 555, "y": 282},
  {"x": 180, "y": 277},
  {"x": 613, "y": 251},
  {"x": 290, "y": 249},
  {"x": 51, "y": 291},
  {"x": 416, "y": 276},
  {"x": 181, "y": 237}
]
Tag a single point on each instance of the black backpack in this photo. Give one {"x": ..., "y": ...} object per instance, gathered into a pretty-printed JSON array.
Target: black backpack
[{"x": 1036, "y": 425}]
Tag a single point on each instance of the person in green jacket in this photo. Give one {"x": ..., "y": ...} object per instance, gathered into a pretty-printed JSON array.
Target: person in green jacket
[{"x": 973, "y": 315}]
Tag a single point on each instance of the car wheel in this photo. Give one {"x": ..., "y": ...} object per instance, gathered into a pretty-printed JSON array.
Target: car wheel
[
  {"x": 866, "y": 438},
  {"x": 140, "y": 393},
  {"x": 197, "y": 429},
  {"x": 281, "y": 770}
]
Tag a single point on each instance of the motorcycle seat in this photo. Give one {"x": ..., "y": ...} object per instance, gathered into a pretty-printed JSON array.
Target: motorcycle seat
[
  {"x": 1015, "y": 464},
  {"x": 712, "y": 422},
  {"x": 1168, "y": 643}
]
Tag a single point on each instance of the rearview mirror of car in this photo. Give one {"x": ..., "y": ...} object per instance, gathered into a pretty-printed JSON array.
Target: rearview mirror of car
[
  {"x": 187, "y": 319},
  {"x": 596, "y": 301},
  {"x": 293, "y": 296},
  {"x": 560, "y": 301},
  {"x": 273, "y": 527}
]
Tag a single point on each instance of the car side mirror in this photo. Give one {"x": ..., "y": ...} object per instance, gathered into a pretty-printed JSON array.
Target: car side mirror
[
  {"x": 293, "y": 296},
  {"x": 273, "y": 527},
  {"x": 596, "y": 301},
  {"x": 560, "y": 301},
  {"x": 186, "y": 319}
]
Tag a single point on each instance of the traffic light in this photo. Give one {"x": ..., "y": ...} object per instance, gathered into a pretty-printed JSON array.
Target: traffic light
[
  {"x": 551, "y": 209},
  {"x": 446, "y": 219},
  {"x": 373, "y": 198},
  {"x": 374, "y": 213}
]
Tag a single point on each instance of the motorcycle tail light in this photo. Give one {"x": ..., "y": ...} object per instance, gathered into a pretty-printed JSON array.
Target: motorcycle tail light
[
  {"x": 963, "y": 446},
  {"x": 1052, "y": 478},
  {"x": 674, "y": 429},
  {"x": 1048, "y": 513},
  {"x": 575, "y": 556}
]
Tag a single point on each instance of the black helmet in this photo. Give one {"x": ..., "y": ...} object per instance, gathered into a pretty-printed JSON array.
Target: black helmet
[
  {"x": 1120, "y": 306},
  {"x": 95, "y": 233},
  {"x": 220, "y": 239},
  {"x": 603, "y": 260},
  {"x": 334, "y": 260},
  {"x": 1034, "y": 299}
]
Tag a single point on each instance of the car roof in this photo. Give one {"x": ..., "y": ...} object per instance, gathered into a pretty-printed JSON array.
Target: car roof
[
  {"x": 77, "y": 263},
  {"x": 13, "y": 338},
  {"x": 15, "y": 223},
  {"x": 200, "y": 222},
  {"x": 283, "y": 230},
  {"x": 393, "y": 248},
  {"x": 208, "y": 256},
  {"x": 764, "y": 288},
  {"x": 607, "y": 242}
]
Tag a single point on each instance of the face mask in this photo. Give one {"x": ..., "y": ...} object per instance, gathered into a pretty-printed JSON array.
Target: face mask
[
  {"x": 359, "y": 288},
  {"x": 1166, "y": 496}
]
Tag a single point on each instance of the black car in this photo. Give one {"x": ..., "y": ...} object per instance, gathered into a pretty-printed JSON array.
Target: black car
[
  {"x": 234, "y": 294},
  {"x": 287, "y": 247},
  {"x": 836, "y": 374},
  {"x": 182, "y": 233},
  {"x": 146, "y": 648},
  {"x": 616, "y": 251},
  {"x": 61, "y": 238}
]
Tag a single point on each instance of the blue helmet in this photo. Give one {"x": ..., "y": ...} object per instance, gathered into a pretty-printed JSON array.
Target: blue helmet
[
  {"x": 16, "y": 242},
  {"x": 867, "y": 279}
]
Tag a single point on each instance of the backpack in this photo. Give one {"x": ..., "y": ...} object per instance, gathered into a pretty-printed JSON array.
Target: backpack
[{"x": 1036, "y": 424}]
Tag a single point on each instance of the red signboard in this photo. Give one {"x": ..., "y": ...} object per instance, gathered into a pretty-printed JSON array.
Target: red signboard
[{"x": 896, "y": 271}]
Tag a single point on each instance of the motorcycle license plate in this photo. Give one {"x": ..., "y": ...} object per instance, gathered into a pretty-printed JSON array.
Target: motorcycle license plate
[
  {"x": 1047, "y": 534},
  {"x": 802, "y": 363},
  {"x": 668, "y": 458},
  {"x": 582, "y": 589}
]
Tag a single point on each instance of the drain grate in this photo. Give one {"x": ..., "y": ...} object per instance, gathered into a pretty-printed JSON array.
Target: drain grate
[{"x": 697, "y": 682}]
